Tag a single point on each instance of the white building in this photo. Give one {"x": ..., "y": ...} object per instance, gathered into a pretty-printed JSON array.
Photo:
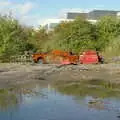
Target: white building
[
  {"x": 50, "y": 24},
  {"x": 91, "y": 16}
]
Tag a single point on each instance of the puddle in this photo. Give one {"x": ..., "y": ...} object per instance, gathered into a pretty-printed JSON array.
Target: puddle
[{"x": 88, "y": 100}]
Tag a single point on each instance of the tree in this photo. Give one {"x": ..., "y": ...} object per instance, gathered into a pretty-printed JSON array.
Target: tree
[
  {"x": 39, "y": 38},
  {"x": 108, "y": 28},
  {"x": 73, "y": 36},
  {"x": 13, "y": 37}
]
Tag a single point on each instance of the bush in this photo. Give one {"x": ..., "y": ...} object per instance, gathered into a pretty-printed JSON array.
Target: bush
[
  {"x": 108, "y": 28},
  {"x": 113, "y": 49},
  {"x": 73, "y": 36},
  {"x": 13, "y": 37}
]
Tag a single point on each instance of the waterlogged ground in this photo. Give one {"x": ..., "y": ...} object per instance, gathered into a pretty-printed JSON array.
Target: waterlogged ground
[{"x": 88, "y": 100}]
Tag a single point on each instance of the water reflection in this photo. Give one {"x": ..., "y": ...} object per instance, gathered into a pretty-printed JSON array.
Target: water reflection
[
  {"x": 7, "y": 99},
  {"x": 95, "y": 88},
  {"x": 96, "y": 93},
  {"x": 11, "y": 98},
  {"x": 93, "y": 100}
]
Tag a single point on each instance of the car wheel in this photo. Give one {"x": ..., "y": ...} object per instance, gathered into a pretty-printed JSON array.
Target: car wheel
[{"x": 40, "y": 61}]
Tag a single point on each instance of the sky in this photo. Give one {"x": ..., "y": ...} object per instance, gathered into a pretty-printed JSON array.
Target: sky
[{"x": 34, "y": 12}]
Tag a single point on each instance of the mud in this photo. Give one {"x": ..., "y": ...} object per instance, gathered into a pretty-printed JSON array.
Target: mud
[{"x": 17, "y": 74}]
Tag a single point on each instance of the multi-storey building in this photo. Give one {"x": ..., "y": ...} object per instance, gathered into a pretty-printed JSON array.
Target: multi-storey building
[{"x": 91, "y": 16}]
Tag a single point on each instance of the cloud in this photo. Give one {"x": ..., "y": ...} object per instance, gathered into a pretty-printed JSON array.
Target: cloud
[
  {"x": 25, "y": 8},
  {"x": 4, "y": 3},
  {"x": 20, "y": 11},
  {"x": 4, "y": 7},
  {"x": 30, "y": 20},
  {"x": 62, "y": 13}
]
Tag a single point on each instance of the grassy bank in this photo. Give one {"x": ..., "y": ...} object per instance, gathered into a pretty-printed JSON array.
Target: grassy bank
[{"x": 75, "y": 36}]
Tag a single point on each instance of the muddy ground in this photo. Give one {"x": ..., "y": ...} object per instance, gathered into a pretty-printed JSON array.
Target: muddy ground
[{"x": 17, "y": 74}]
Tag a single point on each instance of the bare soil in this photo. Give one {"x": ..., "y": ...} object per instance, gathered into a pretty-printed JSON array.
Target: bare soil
[{"x": 17, "y": 74}]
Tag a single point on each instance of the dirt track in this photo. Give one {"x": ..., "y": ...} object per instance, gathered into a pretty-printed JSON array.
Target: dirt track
[{"x": 13, "y": 74}]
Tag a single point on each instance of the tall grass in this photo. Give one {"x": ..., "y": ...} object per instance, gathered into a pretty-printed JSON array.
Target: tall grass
[{"x": 113, "y": 49}]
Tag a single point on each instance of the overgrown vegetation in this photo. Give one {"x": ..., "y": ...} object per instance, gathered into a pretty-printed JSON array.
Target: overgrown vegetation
[
  {"x": 75, "y": 36},
  {"x": 96, "y": 87},
  {"x": 14, "y": 38},
  {"x": 80, "y": 35}
]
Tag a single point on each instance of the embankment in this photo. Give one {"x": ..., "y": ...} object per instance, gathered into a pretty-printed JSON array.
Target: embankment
[{"x": 16, "y": 74}]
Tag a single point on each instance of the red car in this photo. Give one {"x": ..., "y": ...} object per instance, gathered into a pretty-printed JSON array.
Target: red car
[
  {"x": 90, "y": 57},
  {"x": 56, "y": 56}
]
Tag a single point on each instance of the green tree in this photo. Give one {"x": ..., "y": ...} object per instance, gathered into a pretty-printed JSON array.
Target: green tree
[
  {"x": 39, "y": 39},
  {"x": 13, "y": 37},
  {"x": 108, "y": 28},
  {"x": 73, "y": 36}
]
